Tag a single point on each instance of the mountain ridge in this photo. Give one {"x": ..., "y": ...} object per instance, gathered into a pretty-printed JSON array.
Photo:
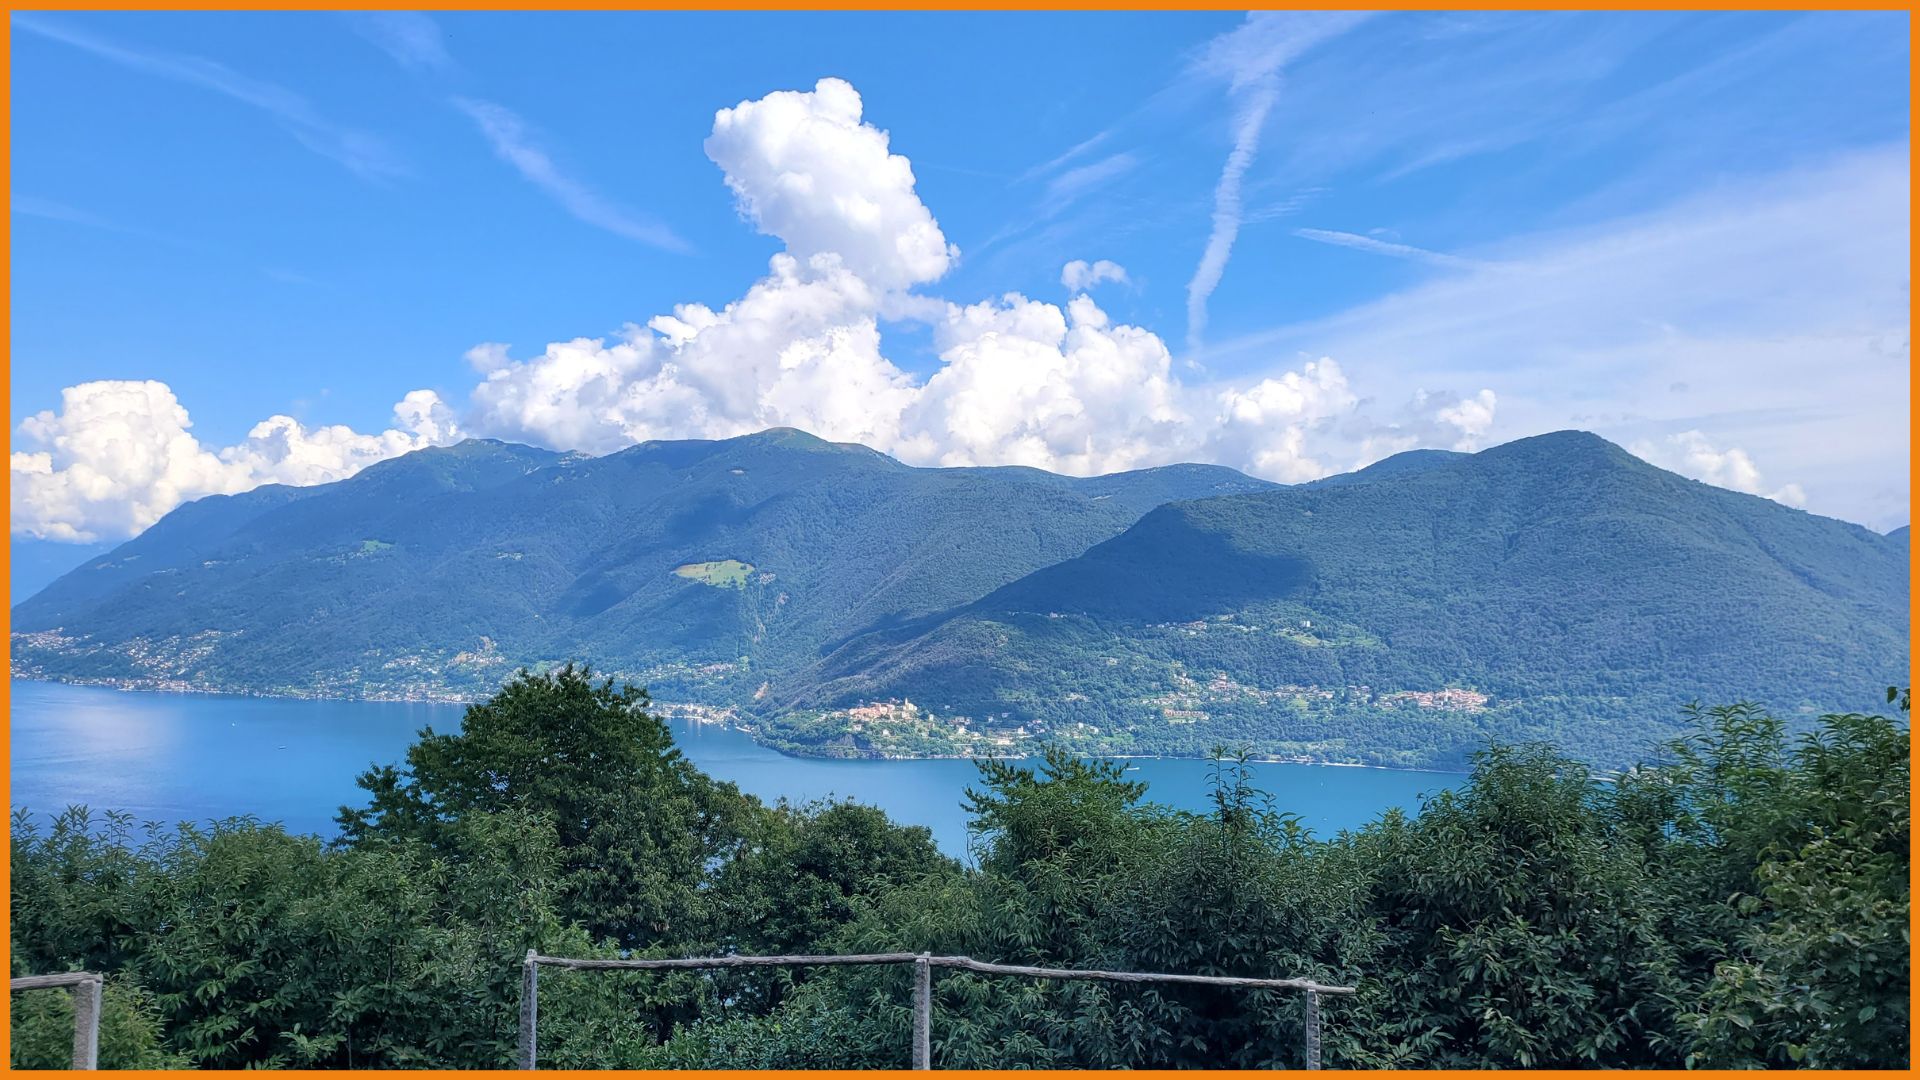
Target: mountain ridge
[
  {"x": 485, "y": 555},
  {"x": 835, "y": 600},
  {"x": 1578, "y": 545}
]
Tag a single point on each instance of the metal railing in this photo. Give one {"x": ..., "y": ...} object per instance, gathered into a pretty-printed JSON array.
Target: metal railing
[
  {"x": 923, "y": 965},
  {"x": 86, "y": 1010}
]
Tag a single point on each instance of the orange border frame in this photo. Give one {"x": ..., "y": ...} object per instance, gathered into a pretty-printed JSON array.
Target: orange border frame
[{"x": 6, "y": 312}]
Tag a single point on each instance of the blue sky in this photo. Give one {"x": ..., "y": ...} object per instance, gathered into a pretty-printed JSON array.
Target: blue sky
[{"x": 1341, "y": 237}]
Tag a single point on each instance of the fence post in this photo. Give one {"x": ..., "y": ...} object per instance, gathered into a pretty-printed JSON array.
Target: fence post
[
  {"x": 922, "y": 1012},
  {"x": 529, "y": 1011},
  {"x": 86, "y": 1023},
  {"x": 1313, "y": 1029}
]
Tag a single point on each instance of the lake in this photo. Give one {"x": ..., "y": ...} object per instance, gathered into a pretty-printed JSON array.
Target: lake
[{"x": 194, "y": 757}]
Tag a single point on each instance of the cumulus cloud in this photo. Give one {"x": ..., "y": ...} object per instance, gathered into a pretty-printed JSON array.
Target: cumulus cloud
[
  {"x": 1264, "y": 428},
  {"x": 800, "y": 349},
  {"x": 1080, "y": 275},
  {"x": 1427, "y": 419},
  {"x": 1019, "y": 381},
  {"x": 1023, "y": 382},
  {"x": 118, "y": 456},
  {"x": 807, "y": 169},
  {"x": 1472, "y": 417},
  {"x": 1691, "y": 453}
]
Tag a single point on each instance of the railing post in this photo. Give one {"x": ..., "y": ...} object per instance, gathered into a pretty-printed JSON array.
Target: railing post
[
  {"x": 86, "y": 1023},
  {"x": 1313, "y": 1029},
  {"x": 922, "y": 1012},
  {"x": 529, "y": 1011}
]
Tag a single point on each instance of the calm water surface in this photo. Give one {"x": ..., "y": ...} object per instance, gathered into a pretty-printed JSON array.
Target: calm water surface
[{"x": 193, "y": 757}]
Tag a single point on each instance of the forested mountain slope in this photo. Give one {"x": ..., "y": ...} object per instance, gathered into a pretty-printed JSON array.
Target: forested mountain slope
[
  {"x": 1554, "y": 587},
  {"x": 698, "y": 567},
  {"x": 837, "y": 601}
]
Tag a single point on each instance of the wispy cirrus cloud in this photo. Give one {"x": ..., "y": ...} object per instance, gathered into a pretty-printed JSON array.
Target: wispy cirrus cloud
[
  {"x": 415, "y": 41},
  {"x": 517, "y": 147},
  {"x": 1070, "y": 154},
  {"x": 1383, "y": 247},
  {"x": 410, "y": 37},
  {"x": 365, "y": 154},
  {"x": 1250, "y": 58},
  {"x": 1768, "y": 313},
  {"x": 1064, "y": 190},
  {"x": 1070, "y": 185}
]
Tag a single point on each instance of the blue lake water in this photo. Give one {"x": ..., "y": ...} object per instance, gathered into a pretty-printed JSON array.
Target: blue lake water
[{"x": 194, "y": 757}]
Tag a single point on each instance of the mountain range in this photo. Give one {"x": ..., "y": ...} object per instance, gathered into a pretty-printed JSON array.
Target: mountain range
[{"x": 833, "y": 600}]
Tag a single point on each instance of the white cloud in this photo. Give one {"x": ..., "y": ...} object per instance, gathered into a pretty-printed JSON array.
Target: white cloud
[
  {"x": 1250, "y": 58},
  {"x": 1382, "y": 247},
  {"x": 1025, "y": 383},
  {"x": 1067, "y": 187},
  {"x": 1264, "y": 429},
  {"x": 118, "y": 456},
  {"x": 516, "y": 146},
  {"x": 1691, "y": 453},
  {"x": 1226, "y": 208},
  {"x": 410, "y": 37},
  {"x": 1019, "y": 381},
  {"x": 801, "y": 349},
  {"x": 1080, "y": 275},
  {"x": 1780, "y": 301},
  {"x": 806, "y": 168},
  {"x": 1428, "y": 419},
  {"x": 1472, "y": 416}
]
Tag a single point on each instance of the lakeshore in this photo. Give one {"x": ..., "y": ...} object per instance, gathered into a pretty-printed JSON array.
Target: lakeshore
[
  {"x": 173, "y": 757},
  {"x": 682, "y": 712}
]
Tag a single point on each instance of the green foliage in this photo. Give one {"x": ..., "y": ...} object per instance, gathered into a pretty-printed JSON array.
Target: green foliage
[
  {"x": 817, "y": 870},
  {"x": 1517, "y": 931},
  {"x": 130, "y": 1028},
  {"x": 1810, "y": 859},
  {"x": 1742, "y": 902},
  {"x": 260, "y": 948},
  {"x": 636, "y": 825}
]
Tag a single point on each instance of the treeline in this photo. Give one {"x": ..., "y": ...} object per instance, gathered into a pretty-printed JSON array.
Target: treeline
[{"x": 1741, "y": 902}]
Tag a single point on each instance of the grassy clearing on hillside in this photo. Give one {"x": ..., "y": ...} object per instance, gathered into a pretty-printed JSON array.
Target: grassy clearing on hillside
[{"x": 724, "y": 574}]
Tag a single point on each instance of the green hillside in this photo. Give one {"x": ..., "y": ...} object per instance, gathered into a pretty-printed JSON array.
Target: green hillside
[
  {"x": 700, "y": 568},
  {"x": 838, "y": 602},
  {"x": 1555, "y": 587}
]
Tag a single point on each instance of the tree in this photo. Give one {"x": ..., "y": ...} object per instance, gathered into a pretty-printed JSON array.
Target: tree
[
  {"x": 1800, "y": 859},
  {"x": 638, "y": 827}
]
